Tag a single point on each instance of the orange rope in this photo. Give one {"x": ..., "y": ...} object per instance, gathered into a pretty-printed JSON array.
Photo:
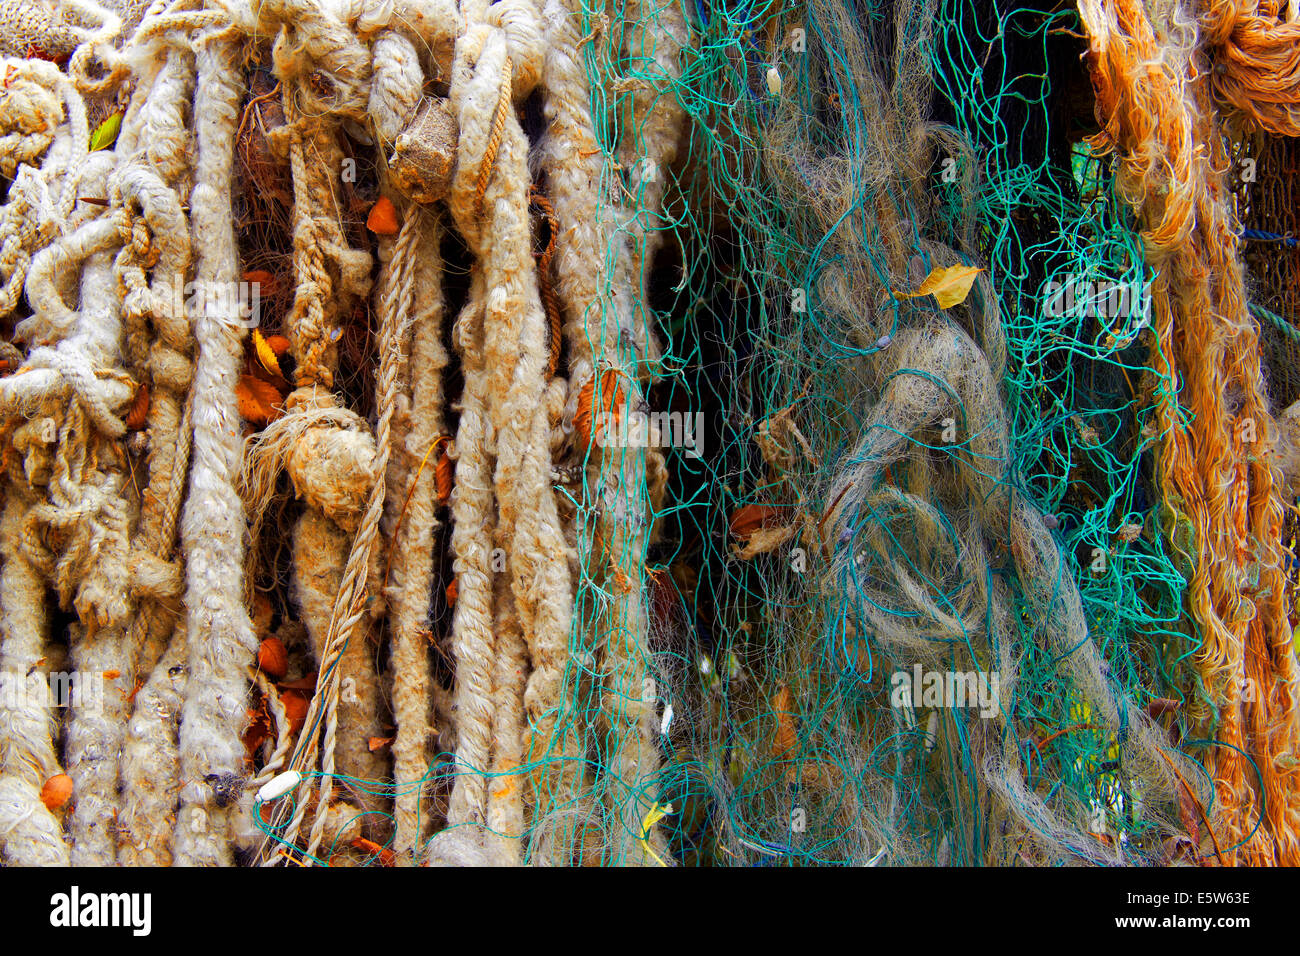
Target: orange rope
[
  {"x": 1173, "y": 155},
  {"x": 494, "y": 139},
  {"x": 1256, "y": 57}
]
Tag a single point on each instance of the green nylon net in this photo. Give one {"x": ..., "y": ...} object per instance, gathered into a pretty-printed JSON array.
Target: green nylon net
[{"x": 839, "y": 152}]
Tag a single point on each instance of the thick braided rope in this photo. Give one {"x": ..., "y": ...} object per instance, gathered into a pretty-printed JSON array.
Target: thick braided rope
[
  {"x": 573, "y": 163},
  {"x": 220, "y": 634},
  {"x": 30, "y": 834},
  {"x": 412, "y": 552},
  {"x": 514, "y": 343},
  {"x": 349, "y": 606}
]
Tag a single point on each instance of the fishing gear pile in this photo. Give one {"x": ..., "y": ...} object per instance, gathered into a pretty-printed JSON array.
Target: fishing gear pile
[{"x": 574, "y": 433}]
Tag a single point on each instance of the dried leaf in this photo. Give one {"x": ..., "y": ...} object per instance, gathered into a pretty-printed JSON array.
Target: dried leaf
[
  {"x": 386, "y": 856},
  {"x": 766, "y": 539},
  {"x": 57, "y": 791},
  {"x": 383, "y": 218},
  {"x": 138, "y": 416},
  {"x": 786, "y": 740},
  {"x": 378, "y": 743},
  {"x": 279, "y": 345},
  {"x": 258, "y": 729},
  {"x": 105, "y": 134},
  {"x": 949, "y": 285},
  {"x": 749, "y": 518},
  {"x": 266, "y": 284},
  {"x": 593, "y": 406},
  {"x": 266, "y": 355},
  {"x": 307, "y": 684},
  {"x": 295, "y": 708},
  {"x": 1163, "y": 705},
  {"x": 272, "y": 658},
  {"x": 258, "y": 400},
  {"x": 442, "y": 475}
]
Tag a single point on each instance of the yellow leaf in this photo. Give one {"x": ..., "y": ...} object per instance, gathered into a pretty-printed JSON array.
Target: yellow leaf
[
  {"x": 265, "y": 354},
  {"x": 105, "y": 134},
  {"x": 949, "y": 285},
  {"x": 657, "y": 813}
]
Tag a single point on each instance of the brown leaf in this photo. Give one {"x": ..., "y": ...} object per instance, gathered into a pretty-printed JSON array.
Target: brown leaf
[
  {"x": 386, "y": 856},
  {"x": 266, "y": 356},
  {"x": 266, "y": 282},
  {"x": 786, "y": 740},
  {"x": 764, "y": 540},
  {"x": 379, "y": 743},
  {"x": 138, "y": 416},
  {"x": 307, "y": 684},
  {"x": 1163, "y": 705},
  {"x": 258, "y": 729},
  {"x": 295, "y": 708},
  {"x": 747, "y": 519},
  {"x": 258, "y": 400},
  {"x": 598, "y": 408},
  {"x": 272, "y": 658}
]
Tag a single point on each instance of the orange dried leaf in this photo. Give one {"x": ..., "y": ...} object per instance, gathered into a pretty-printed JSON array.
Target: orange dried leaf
[
  {"x": 385, "y": 855},
  {"x": 258, "y": 729},
  {"x": 949, "y": 285},
  {"x": 295, "y": 708},
  {"x": 378, "y": 743},
  {"x": 279, "y": 344},
  {"x": 138, "y": 416},
  {"x": 56, "y": 792},
  {"x": 307, "y": 684},
  {"x": 596, "y": 407},
  {"x": 266, "y": 284},
  {"x": 786, "y": 740},
  {"x": 747, "y": 519},
  {"x": 452, "y": 590},
  {"x": 258, "y": 400},
  {"x": 272, "y": 658},
  {"x": 442, "y": 474},
  {"x": 383, "y": 218}
]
